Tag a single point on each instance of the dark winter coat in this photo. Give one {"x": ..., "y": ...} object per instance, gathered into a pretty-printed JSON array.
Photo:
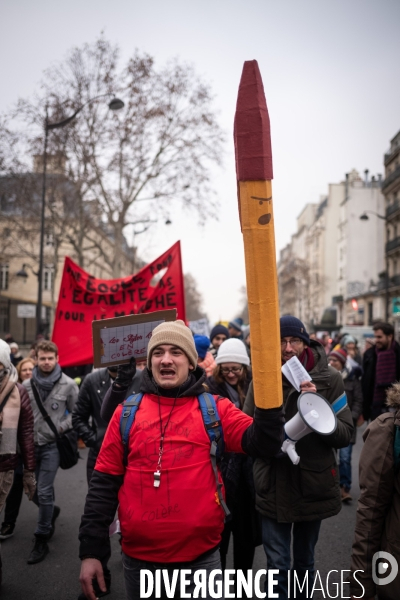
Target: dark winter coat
[
  {"x": 352, "y": 387},
  {"x": 368, "y": 377},
  {"x": 90, "y": 399},
  {"x": 378, "y": 512},
  {"x": 310, "y": 490},
  {"x": 115, "y": 396},
  {"x": 237, "y": 473},
  {"x": 9, "y": 462}
]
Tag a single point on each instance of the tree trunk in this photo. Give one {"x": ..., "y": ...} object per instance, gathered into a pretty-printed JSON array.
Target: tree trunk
[{"x": 118, "y": 245}]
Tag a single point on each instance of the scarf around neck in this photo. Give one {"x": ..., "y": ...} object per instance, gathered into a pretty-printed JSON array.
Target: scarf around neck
[
  {"x": 307, "y": 359},
  {"x": 9, "y": 416},
  {"x": 47, "y": 383}
]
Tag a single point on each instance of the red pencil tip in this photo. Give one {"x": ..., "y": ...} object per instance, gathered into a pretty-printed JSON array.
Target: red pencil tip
[{"x": 252, "y": 133}]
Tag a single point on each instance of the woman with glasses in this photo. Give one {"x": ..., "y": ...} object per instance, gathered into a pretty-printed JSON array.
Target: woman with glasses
[{"x": 231, "y": 379}]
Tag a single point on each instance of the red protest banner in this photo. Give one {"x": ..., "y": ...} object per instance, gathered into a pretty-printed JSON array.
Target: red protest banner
[{"x": 83, "y": 299}]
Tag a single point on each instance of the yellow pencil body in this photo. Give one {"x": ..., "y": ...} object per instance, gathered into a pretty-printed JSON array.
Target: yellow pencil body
[{"x": 256, "y": 213}]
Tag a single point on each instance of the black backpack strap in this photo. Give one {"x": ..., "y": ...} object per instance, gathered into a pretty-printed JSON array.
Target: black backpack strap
[{"x": 43, "y": 410}]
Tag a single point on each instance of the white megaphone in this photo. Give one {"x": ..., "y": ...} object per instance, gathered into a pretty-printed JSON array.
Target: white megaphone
[{"x": 314, "y": 414}]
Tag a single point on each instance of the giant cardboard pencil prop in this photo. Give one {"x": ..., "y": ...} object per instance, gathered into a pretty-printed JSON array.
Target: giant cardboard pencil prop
[{"x": 254, "y": 173}]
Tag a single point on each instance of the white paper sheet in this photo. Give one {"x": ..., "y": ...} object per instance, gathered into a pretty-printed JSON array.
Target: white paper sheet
[{"x": 295, "y": 373}]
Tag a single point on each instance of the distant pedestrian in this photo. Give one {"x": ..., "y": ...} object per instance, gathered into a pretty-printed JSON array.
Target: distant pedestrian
[
  {"x": 16, "y": 423},
  {"x": 16, "y": 355},
  {"x": 352, "y": 386},
  {"x": 32, "y": 352},
  {"x": 58, "y": 394},
  {"x": 381, "y": 368},
  {"x": 14, "y": 498},
  {"x": 326, "y": 342},
  {"x": 205, "y": 358},
  {"x": 349, "y": 344},
  {"x": 25, "y": 369},
  {"x": 235, "y": 328},
  {"x": 369, "y": 343},
  {"x": 219, "y": 333}
]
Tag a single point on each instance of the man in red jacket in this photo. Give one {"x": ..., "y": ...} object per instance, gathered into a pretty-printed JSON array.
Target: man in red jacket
[{"x": 170, "y": 513}]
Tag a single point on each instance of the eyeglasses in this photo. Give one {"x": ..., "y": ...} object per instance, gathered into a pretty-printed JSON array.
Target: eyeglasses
[
  {"x": 227, "y": 370},
  {"x": 294, "y": 342}
]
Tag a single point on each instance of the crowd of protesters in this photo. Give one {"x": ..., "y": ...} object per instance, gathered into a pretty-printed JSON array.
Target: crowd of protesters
[{"x": 268, "y": 500}]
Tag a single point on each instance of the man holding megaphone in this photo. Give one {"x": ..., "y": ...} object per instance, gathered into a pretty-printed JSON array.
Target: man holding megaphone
[{"x": 294, "y": 498}]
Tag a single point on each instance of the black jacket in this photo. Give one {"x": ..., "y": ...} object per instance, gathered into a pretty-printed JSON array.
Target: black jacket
[
  {"x": 263, "y": 437},
  {"x": 115, "y": 396},
  {"x": 308, "y": 491},
  {"x": 91, "y": 396},
  {"x": 368, "y": 377},
  {"x": 352, "y": 387}
]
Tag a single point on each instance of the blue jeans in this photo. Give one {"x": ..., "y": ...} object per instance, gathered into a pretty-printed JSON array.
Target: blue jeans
[
  {"x": 133, "y": 566},
  {"x": 47, "y": 463},
  {"x": 345, "y": 466},
  {"x": 276, "y": 541}
]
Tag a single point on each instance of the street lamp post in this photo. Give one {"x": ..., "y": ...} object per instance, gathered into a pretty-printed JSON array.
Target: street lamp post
[
  {"x": 114, "y": 104},
  {"x": 365, "y": 217}
]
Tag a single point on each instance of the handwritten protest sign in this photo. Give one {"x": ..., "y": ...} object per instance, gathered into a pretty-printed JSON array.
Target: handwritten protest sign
[
  {"x": 200, "y": 327},
  {"x": 115, "y": 341}
]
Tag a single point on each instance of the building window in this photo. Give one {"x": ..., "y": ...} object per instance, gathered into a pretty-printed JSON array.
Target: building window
[
  {"x": 4, "y": 277},
  {"x": 48, "y": 278},
  {"x": 4, "y": 315}
]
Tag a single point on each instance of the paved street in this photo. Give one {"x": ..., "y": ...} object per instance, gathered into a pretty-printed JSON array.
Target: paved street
[{"x": 57, "y": 577}]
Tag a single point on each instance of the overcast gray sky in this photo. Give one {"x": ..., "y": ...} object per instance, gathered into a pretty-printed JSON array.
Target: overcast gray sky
[{"x": 331, "y": 77}]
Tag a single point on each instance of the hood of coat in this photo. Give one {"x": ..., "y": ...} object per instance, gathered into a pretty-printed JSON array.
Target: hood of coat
[{"x": 393, "y": 396}]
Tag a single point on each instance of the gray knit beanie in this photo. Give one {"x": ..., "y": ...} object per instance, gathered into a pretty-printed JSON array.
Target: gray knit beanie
[{"x": 177, "y": 334}]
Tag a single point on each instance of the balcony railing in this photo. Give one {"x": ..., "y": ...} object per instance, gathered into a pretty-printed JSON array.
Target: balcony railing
[
  {"x": 391, "y": 154},
  {"x": 393, "y": 244},
  {"x": 390, "y": 178},
  {"x": 394, "y": 281},
  {"x": 392, "y": 208}
]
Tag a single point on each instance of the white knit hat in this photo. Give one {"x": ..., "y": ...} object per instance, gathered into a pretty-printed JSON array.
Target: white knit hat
[
  {"x": 5, "y": 354},
  {"x": 232, "y": 350}
]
